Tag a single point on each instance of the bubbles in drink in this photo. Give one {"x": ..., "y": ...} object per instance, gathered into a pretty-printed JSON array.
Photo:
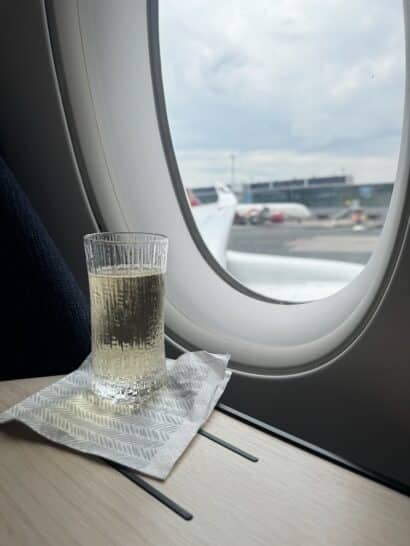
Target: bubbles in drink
[{"x": 127, "y": 331}]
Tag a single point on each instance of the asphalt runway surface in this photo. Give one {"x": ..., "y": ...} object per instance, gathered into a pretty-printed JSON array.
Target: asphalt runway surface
[{"x": 338, "y": 243}]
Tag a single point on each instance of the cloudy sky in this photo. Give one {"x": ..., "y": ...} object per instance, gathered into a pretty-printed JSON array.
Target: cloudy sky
[{"x": 293, "y": 88}]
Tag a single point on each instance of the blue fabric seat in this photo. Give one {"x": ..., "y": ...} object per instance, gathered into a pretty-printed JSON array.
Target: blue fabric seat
[{"x": 44, "y": 325}]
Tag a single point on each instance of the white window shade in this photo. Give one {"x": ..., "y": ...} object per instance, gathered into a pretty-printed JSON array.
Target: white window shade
[{"x": 104, "y": 68}]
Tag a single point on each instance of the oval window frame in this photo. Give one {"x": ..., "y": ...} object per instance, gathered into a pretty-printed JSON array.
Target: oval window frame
[{"x": 279, "y": 341}]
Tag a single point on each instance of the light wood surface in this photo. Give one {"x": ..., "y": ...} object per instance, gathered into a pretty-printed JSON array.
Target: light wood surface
[{"x": 50, "y": 495}]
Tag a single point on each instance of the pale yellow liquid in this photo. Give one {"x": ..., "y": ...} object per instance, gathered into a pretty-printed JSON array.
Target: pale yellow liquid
[{"x": 127, "y": 332}]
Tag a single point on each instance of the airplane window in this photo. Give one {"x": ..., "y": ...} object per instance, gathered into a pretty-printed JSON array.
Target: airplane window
[{"x": 286, "y": 124}]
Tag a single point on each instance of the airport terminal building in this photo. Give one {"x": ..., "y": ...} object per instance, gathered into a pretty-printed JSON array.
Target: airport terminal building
[{"x": 322, "y": 195}]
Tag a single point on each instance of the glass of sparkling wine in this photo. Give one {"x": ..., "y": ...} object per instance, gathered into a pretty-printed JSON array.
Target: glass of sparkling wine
[{"x": 126, "y": 279}]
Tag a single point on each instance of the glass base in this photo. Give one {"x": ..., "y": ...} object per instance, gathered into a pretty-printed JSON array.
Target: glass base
[{"x": 124, "y": 392}]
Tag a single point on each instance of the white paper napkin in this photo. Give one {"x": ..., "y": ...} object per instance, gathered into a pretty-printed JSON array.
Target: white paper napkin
[{"x": 149, "y": 439}]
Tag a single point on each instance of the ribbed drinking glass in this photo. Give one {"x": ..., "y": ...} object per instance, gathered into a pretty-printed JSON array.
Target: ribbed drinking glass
[{"x": 126, "y": 273}]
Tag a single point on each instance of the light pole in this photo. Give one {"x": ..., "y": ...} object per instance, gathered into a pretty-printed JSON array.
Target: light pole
[{"x": 232, "y": 156}]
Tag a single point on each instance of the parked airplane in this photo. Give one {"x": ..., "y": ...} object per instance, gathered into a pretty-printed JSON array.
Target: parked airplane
[
  {"x": 291, "y": 211},
  {"x": 279, "y": 277}
]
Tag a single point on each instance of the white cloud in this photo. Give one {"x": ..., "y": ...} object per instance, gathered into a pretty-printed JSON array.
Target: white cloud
[{"x": 321, "y": 80}]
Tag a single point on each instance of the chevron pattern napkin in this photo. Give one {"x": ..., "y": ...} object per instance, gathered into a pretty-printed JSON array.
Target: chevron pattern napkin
[{"x": 149, "y": 439}]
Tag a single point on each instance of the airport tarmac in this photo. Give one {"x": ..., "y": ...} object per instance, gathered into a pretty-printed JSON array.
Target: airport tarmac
[{"x": 291, "y": 239}]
